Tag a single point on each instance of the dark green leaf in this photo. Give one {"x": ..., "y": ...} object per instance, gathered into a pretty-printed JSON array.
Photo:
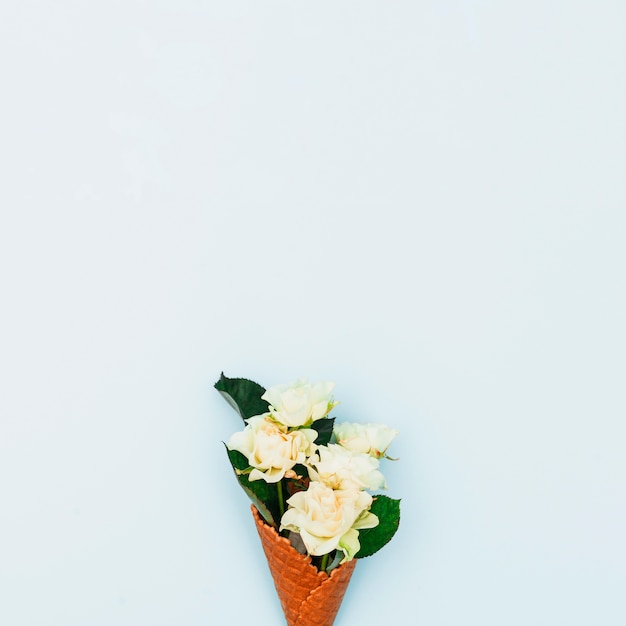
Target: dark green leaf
[
  {"x": 243, "y": 395},
  {"x": 324, "y": 428},
  {"x": 263, "y": 495},
  {"x": 238, "y": 460},
  {"x": 373, "y": 539},
  {"x": 300, "y": 470}
]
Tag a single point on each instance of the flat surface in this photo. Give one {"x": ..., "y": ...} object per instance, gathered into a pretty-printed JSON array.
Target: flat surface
[{"x": 422, "y": 201}]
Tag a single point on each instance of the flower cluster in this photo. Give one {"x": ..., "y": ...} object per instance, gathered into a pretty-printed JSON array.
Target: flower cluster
[{"x": 309, "y": 477}]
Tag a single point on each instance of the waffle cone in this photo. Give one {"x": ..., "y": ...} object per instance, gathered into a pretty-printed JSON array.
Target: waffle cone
[{"x": 308, "y": 597}]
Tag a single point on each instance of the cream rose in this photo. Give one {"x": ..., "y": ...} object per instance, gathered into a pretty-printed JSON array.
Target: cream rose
[
  {"x": 372, "y": 439},
  {"x": 270, "y": 449},
  {"x": 341, "y": 468},
  {"x": 329, "y": 519},
  {"x": 301, "y": 403}
]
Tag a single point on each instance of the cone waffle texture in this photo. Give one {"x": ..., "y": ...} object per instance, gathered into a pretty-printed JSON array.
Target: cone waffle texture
[{"x": 308, "y": 597}]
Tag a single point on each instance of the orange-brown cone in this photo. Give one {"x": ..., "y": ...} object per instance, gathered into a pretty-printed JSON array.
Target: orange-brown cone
[{"x": 309, "y": 597}]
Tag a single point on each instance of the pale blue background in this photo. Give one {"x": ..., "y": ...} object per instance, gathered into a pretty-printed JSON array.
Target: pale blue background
[{"x": 422, "y": 201}]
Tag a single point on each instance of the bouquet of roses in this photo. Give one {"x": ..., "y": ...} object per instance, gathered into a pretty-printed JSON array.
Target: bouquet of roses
[{"x": 309, "y": 480}]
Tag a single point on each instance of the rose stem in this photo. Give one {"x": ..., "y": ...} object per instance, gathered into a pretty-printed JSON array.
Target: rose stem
[
  {"x": 324, "y": 562},
  {"x": 281, "y": 502}
]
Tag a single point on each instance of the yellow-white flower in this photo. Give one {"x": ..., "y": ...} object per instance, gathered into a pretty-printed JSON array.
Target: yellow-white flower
[
  {"x": 301, "y": 403},
  {"x": 372, "y": 439},
  {"x": 329, "y": 519},
  {"x": 270, "y": 449},
  {"x": 341, "y": 468}
]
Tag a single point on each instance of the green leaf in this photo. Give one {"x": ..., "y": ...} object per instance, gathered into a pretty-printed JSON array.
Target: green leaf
[
  {"x": 263, "y": 495},
  {"x": 243, "y": 395},
  {"x": 238, "y": 460},
  {"x": 373, "y": 539},
  {"x": 324, "y": 428}
]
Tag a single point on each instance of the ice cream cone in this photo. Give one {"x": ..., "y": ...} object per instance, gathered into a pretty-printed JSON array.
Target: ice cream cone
[{"x": 308, "y": 597}]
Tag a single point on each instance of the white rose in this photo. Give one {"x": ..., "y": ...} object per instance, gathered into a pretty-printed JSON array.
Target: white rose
[
  {"x": 301, "y": 403},
  {"x": 372, "y": 439},
  {"x": 340, "y": 468},
  {"x": 329, "y": 519},
  {"x": 270, "y": 450}
]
